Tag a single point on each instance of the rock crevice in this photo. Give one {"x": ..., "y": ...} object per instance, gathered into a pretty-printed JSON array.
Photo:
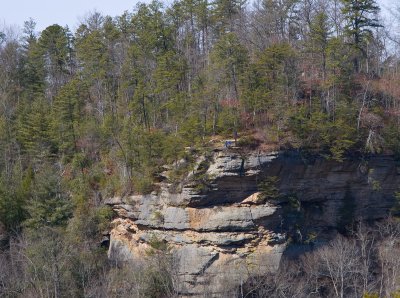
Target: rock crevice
[{"x": 229, "y": 227}]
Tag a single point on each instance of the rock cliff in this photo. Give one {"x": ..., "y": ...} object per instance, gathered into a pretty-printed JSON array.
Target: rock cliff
[{"x": 223, "y": 227}]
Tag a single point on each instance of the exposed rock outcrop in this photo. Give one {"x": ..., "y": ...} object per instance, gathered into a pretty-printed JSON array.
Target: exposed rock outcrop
[{"x": 225, "y": 227}]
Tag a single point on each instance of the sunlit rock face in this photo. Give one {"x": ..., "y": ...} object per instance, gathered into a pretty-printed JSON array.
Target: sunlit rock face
[{"x": 221, "y": 231}]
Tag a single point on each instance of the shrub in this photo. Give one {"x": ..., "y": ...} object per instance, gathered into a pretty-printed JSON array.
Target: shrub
[{"x": 268, "y": 188}]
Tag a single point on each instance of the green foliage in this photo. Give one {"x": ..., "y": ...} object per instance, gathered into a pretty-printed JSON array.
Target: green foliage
[
  {"x": 339, "y": 64},
  {"x": 67, "y": 114},
  {"x": 268, "y": 188},
  {"x": 294, "y": 202},
  {"x": 371, "y": 295},
  {"x": 230, "y": 54},
  {"x": 227, "y": 121},
  {"x": 143, "y": 184},
  {"x": 158, "y": 217},
  {"x": 49, "y": 205},
  {"x": 376, "y": 186},
  {"x": 157, "y": 245},
  {"x": 158, "y": 282},
  {"x": 89, "y": 222},
  {"x": 91, "y": 51},
  {"x": 54, "y": 47},
  {"x": 34, "y": 129},
  {"x": 372, "y": 181},
  {"x": 14, "y": 199},
  {"x": 267, "y": 82},
  {"x": 33, "y": 73},
  {"x": 318, "y": 131},
  {"x": 201, "y": 182},
  {"x": 361, "y": 18},
  {"x": 103, "y": 216},
  {"x": 391, "y": 135},
  {"x": 224, "y": 14},
  {"x": 320, "y": 31},
  {"x": 99, "y": 112},
  {"x": 311, "y": 237},
  {"x": 249, "y": 142},
  {"x": 173, "y": 148}
]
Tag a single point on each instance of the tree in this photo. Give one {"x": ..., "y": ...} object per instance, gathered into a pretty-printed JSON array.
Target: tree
[
  {"x": 388, "y": 249},
  {"x": 275, "y": 21},
  {"x": 320, "y": 31},
  {"x": 360, "y": 17},
  {"x": 54, "y": 49},
  {"x": 49, "y": 205},
  {"x": 66, "y": 115},
  {"x": 229, "y": 58},
  {"x": 14, "y": 194},
  {"x": 270, "y": 83},
  {"x": 33, "y": 130},
  {"x": 225, "y": 14},
  {"x": 338, "y": 262},
  {"x": 32, "y": 64}
]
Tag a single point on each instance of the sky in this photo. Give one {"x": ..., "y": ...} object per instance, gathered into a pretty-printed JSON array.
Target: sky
[
  {"x": 62, "y": 12},
  {"x": 69, "y": 12},
  {"x": 386, "y": 4}
]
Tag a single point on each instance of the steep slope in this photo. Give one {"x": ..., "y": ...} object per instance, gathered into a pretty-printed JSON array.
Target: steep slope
[{"x": 225, "y": 228}]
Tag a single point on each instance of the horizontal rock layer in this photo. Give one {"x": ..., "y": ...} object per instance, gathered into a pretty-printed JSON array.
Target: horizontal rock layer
[{"x": 225, "y": 227}]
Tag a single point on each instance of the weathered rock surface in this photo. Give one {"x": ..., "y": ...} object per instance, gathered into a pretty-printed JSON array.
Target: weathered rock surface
[{"x": 226, "y": 227}]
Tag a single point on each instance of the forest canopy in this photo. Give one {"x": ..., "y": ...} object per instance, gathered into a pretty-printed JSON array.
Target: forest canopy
[
  {"x": 96, "y": 113},
  {"x": 101, "y": 109}
]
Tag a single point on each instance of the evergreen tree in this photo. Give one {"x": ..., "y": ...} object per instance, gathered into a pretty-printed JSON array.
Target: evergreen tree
[
  {"x": 230, "y": 59},
  {"x": 32, "y": 65},
  {"x": 48, "y": 205},
  {"x": 34, "y": 130},
  {"x": 54, "y": 49},
  {"x": 225, "y": 14},
  {"x": 361, "y": 17},
  {"x": 67, "y": 114},
  {"x": 14, "y": 195},
  {"x": 320, "y": 31}
]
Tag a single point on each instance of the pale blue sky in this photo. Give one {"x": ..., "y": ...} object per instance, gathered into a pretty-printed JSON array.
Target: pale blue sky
[{"x": 62, "y": 12}]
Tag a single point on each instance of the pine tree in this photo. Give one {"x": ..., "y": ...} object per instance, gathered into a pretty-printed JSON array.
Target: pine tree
[
  {"x": 361, "y": 17},
  {"x": 320, "y": 31},
  {"x": 54, "y": 49},
  {"x": 225, "y": 14},
  {"x": 66, "y": 116},
  {"x": 33, "y": 129},
  {"x": 49, "y": 205}
]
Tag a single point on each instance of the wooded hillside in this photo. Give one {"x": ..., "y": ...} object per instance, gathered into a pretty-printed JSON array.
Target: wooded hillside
[{"x": 96, "y": 113}]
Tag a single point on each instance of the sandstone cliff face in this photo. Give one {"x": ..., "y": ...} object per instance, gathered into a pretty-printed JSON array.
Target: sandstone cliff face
[{"x": 223, "y": 228}]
